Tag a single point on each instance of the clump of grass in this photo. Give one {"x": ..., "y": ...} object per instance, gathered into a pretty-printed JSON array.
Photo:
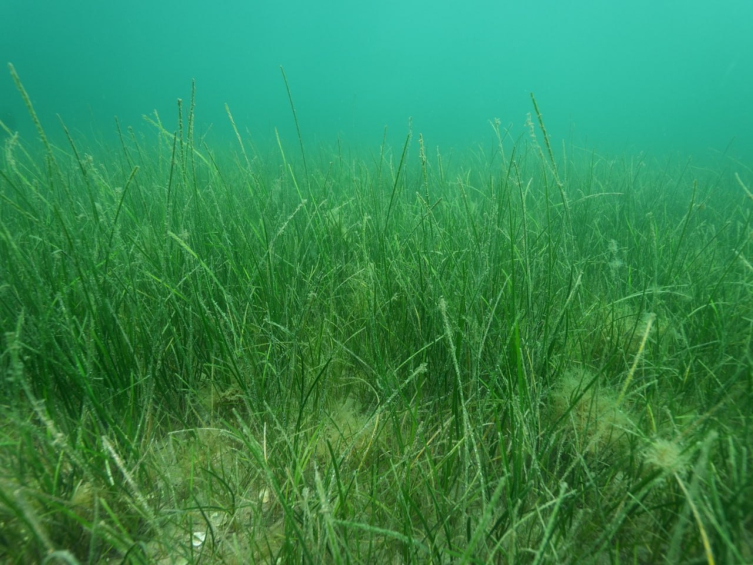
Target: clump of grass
[
  {"x": 346, "y": 430},
  {"x": 597, "y": 419},
  {"x": 667, "y": 456}
]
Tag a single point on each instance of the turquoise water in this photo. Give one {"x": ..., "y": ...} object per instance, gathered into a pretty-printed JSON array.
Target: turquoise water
[{"x": 655, "y": 76}]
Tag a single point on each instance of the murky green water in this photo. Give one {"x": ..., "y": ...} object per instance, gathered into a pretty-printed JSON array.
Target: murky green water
[{"x": 661, "y": 77}]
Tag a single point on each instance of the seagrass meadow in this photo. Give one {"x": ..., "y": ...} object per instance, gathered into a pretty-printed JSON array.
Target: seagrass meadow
[{"x": 524, "y": 353}]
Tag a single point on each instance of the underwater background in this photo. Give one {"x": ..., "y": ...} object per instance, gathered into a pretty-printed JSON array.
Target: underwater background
[
  {"x": 658, "y": 76},
  {"x": 376, "y": 282}
]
